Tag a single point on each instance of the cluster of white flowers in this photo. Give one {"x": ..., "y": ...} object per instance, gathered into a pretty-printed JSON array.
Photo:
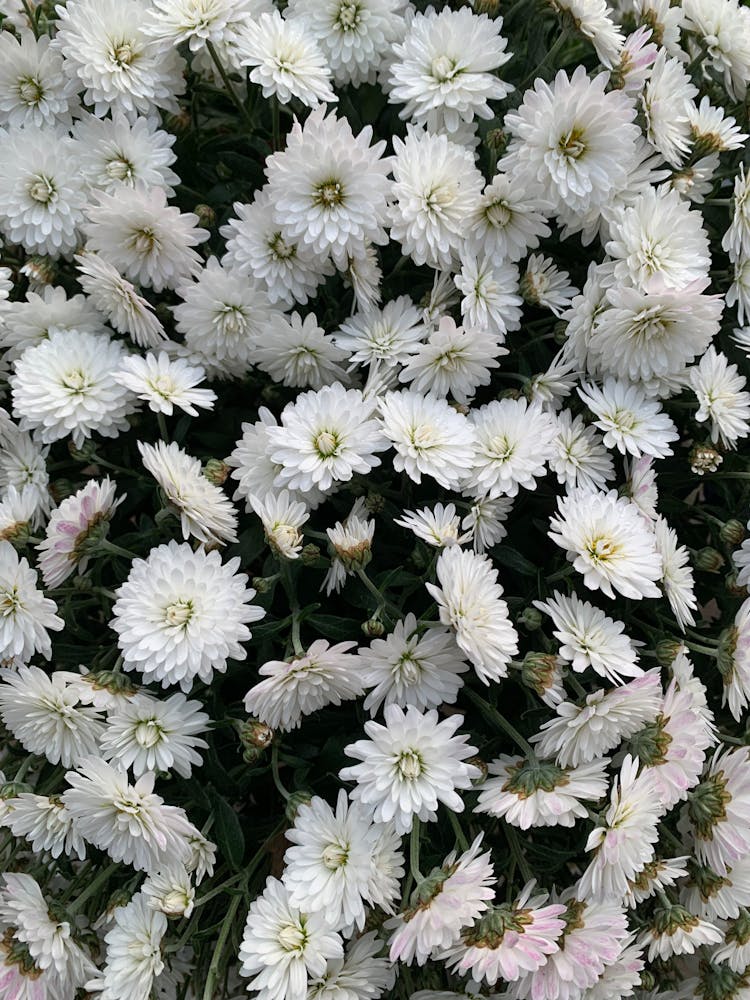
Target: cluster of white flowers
[{"x": 374, "y": 472}]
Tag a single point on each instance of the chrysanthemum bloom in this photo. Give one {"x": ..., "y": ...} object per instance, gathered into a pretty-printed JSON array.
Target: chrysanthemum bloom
[
  {"x": 528, "y": 793},
  {"x": 165, "y": 383},
  {"x": 580, "y": 458},
  {"x": 71, "y": 525},
  {"x": 197, "y": 22},
  {"x": 382, "y": 337},
  {"x": 510, "y": 940},
  {"x": 106, "y": 51},
  {"x": 26, "y": 614},
  {"x": 573, "y": 143},
  {"x": 286, "y": 60},
  {"x": 204, "y": 510},
  {"x": 657, "y": 875},
  {"x": 593, "y": 20},
  {"x": 607, "y": 541},
  {"x": 19, "y": 513},
  {"x": 734, "y": 662},
  {"x": 485, "y": 521},
  {"x": 429, "y": 437},
  {"x": 719, "y": 811},
  {"x": 330, "y": 868},
  {"x": 629, "y": 420},
  {"x": 147, "y": 240},
  {"x": 677, "y": 580},
  {"x": 438, "y": 526},
  {"x": 170, "y": 891},
  {"x": 117, "y": 299},
  {"x": 589, "y": 638},
  {"x": 46, "y": 824},
  {"x": 182, "y": 614},
  {"x": 624, "y": 844},
  {"x": 42, "y": 194},
  {"x": 723, "y": 26},
  {"x": 282, "y": 518},
  {"x": 23, "y": 467},
  {"x": 363, "y": 972},
  {"x": 437, "y": 189},
  {"x": 130, "y": 822},
  {"x": 65, "y": 386},
  {"x": 674, "y": 930},
  {"x": 443, "y": 69},
  {"x": 114, "y": 151},
  {"x": 133, "y": 956},
  {"x": 581, "y": 733},
  {"x": 506, "y": 222},
  {"x": 330, "y": 188},
  {"x": 736, "y": 240},
  {"x": 282, "y": 947},
  {"x": 735, "y": 950},
  {"x": 659, "y": 243},
  {"x": 666, "y": 101},
  {"x": 712, "y": 128},
  {"x": 154, "y": 734},
  {"x": 722, "y": 397},
  {"x": 406, "y": 668},
  {"x": 714, "y": 896},
  {"x": 45, "y": 312},
  {"x": 325, "y": 437},
  {"x": 592, "y": 939},
  {"x": 324, "y": 675},
  {"x": 34, "y": 91},
  {"x": 546, "y": 286},
  {"x": 351, "y": 541},
  {"x": 409, "y": 765},
  {"x": 491, "y": 299},
  {"x": 43, "y": 712},
  {"x": 299, "y": 353},
  {"x": 514, "y": 441},
  {"x": 49, "y": 940},
  {"x": 469, "y": 601},
  {"x": 447, "y": 900}
]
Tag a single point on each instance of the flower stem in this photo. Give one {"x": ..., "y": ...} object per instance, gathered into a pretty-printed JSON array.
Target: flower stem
[
  {"x": 275, "y": 772},
  {"x": 517, "y": 851},
  {"x": 416, "y": 831},
  {"x": 116, "y": 550},
  {"x": 461, "y": 840},
  {"x": 226, "y": 927},
  {"x": 493, "y": 715},
  {"x": 231, "y": 89},
  {"x": 698, "y": 647},
  {"x": 93, "y": 887}
]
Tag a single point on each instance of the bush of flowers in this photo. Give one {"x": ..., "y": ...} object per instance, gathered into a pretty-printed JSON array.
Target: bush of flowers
[{"x": 374, "y": 485}]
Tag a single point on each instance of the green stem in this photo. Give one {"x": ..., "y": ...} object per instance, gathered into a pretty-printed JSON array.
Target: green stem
[
  {"x": 576, "y": 685},
  {"x": 226, "y": 927},
  {"x": 416, "y": 831},
  {"x": 698, "y": 647},
  {"x": 162, "y": 424},
  {"x": 493, "y": 715},
  {"x": 33, "y": 23},
  {"x": 116, "y": 550},
  {"x": 383, "y": 601},
  {"x": 556, "y": 46},
  {"x": 22, "y": 770},
  {"x": 275, "y": 772},
  {"x": 288, "y": 584},
  {"x": 231, "y": 90},
  {"x": 217, "y": 891},
  {"x": 461, "y": 840},
  {"x": 517, "y": 851},
  {"x": 275, "y": 123},
  {"x": 94, "y": 886}
]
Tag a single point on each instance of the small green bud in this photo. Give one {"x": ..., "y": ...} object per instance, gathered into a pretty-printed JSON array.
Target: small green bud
[
  {"x": 12, "y": 789},
  {"x": 256, "y": 734},
  {"x": 540, "y": 671},
  {"x": 708, "y": 560},
  {"x": 310, "y": 554},
  {"x": 373, "y": 628},
  {"x": 732, "y": 532},
  {"x": 206, "y": 216},
  {"x": 530, "y": 618},
  {"x": 42, "y": 270},
  {"x": 83, "y": 454},
  {"x": 667, "y": 650},
  {"x": 560, "y": 333},
  {"x": 263, "y": 584},
  {"x": 375, "y": 502},
  {"x": 734, "y": 588},
  {"x": 496, "y": 140},
  {"x": 216, "y": 471},
  {"x": 180, "y": 123},
  {"x": 295, "y": 800}
]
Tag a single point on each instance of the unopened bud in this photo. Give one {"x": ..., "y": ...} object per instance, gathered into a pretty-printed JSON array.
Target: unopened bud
[
  {"x": 725, "y": 652},
  {"x": 12, "y": 789},
  {"x": 310, "y": 554},
  {"x": 83, "y": 454},
  {"x": 263, "y": 584},
  {"x": 667, "y": 650},
  {"x": 373, "y": 628},
  {"x": 732, "y": 532},
  {"x": 256, "y": 734},
  {"x": 180, "y": 123},
  {"x": 223, "y": 172},
  {"x": 539, "y": 671},
  {"x": 704, "y": 458},
  {"x": 216, "y": 471},
  {"x": 560, "y": 333},
  {"x": 375, "y": 502},
  {"x": 42, "y": 270},
  {"x": 60, "y": 489},
  {"x": 530, "y": 618},
  {"x": 708, "y": 560},
  {"x": 483, "y": 767},
  {"x": 206, "y": 216},
  {"x": 734, "y": 588},
  {"x": 295, "y": 800},
  {"x": 496, "y": 141}
]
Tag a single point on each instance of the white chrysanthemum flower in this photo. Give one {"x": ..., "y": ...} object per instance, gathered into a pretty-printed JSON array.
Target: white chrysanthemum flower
[
  {"x": 666, "y": 101},
  {"x": 545, "y": 285},
  {"x": 406, "y": 668},
  {"x": 530, "y": 793},
  {"x": 283, "y": 947},
  {"x": 449, "y": 899},
  {"x": 607, "y": 541},
  {"x": 469, "y": 601},
  {"x": 49, "y": 940},
  {"x": 42, "y": 194},
  {"x": 485, "y": 521},
  {"x": 409, "y": 765},
  {"x": 490, "y": 294},
  {"x": 454, "y": 360},
  {"x": 641, "y": 336},
  {"x": 593, "y": 19},
  {"x": 282, "y": 517},
  {"x": 429, "y": 436},
  {"x": 48, "y": 312},
  {"x": 443, "y": 70},
  {"x": 63, "y": 548},
  {"x": 674, "y": 930},
  {"x": 437, "y": 189},
  {"x": 204, "y": 510},
  {"x": 351, "y": 540},
  {"x": 389, "y": 336},
  {"x": 34, "y": 91},
  {"x": 19, "y": 513},
  {"x": 153, "y": 734},
  {"x": 736, "y": 240},
  {"x": 288, "y": 270},
  {"x": 514, "y": 441},
  {"x": 330, "y": 188},
  {"x": 573, "y": 144},
  {"x": 130, "y": 822},
  {"x": 712, "y": 128},
  {"x": 362, "y": 974},
  {"x": 44, "y": 714},
  {"x": 658, "y": 874},
  {"x": 438, "y": 526},
  {"x": 287, "y": 61},
  {"x": 147, "y": 240},
  {"x": 182, "y": 613},
  {"x": 117, "y": 299},
  {"x": 329, "y": 867},
  {"x": 735, "y": 950},
  {"x": 739, "y": 290},
  {"x": 629, "y": 420},
  {"x": 677, "y": 579},
  {"x": 551, "y": 387},
  {"x": 659, "y": 243},
  {"x": 66, "y": 386},
  {"x": 23, "y": 466},
  {"x": 722, "y": 397},
  {"x": 581, "y": 733},
  {"x": 719, "y": 811},
  {"x": 723, "y": 27},
  {"x": 624, "y": 843},
  {"x": 736, "y": 662},
  {"x": 511, "y": 939},
  {"x": 165, "y": 383},
  {"x": 297, "y": 352},
  {"x": 324, "y": 675},
  {"x": 46, "y": 824},
  {"x": 170, "y": 891},
  {"x": 107, "y": 52},
  {"x": 133, "y": 956},
  {"x": 506, "y": 222},
  {"x": 589, "y": 638},
  {"x": 26, "y": 614},
  {"x": 114, "y": 151},
  {"x": 197, "y": 22},
  {"x": 325, "y": 437},
  {"x": 580, "y": 458}
]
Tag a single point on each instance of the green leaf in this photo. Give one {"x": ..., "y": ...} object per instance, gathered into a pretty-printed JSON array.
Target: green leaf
[
  {"x": 513, "y": 559},
  {"x": 229, "y": 836}
]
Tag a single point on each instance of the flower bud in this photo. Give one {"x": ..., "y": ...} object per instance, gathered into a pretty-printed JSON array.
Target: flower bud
[
  {"x": 180, "y": 123},
  {"x": 734, "y": 588},
  {"x": 309, "y": 554},
  {"x": 255, "y": 734},
  {"x": 83, "y": 454},
  {"x": 263, "y": 584},
  {"x": 540, "y": 671},
  {"x": 60, "y": 489},
  {"x": 206, "y": 216},
  {"x": 373, "y": 628},
  {"x": 732, "y": 532},
  {"x": 295, "y": 800},
  {"x": 496, "y": 139},
  {"x": 704, "y": 458},
  {"x": 216, "y": 471},
  {"x": 42, "y": 270},
  {"x": 375, "y": 502},
  {"x": 708, "y": 560},
  {"x": 530, "y": 618},
  {"x": 667, "y": 650}
]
